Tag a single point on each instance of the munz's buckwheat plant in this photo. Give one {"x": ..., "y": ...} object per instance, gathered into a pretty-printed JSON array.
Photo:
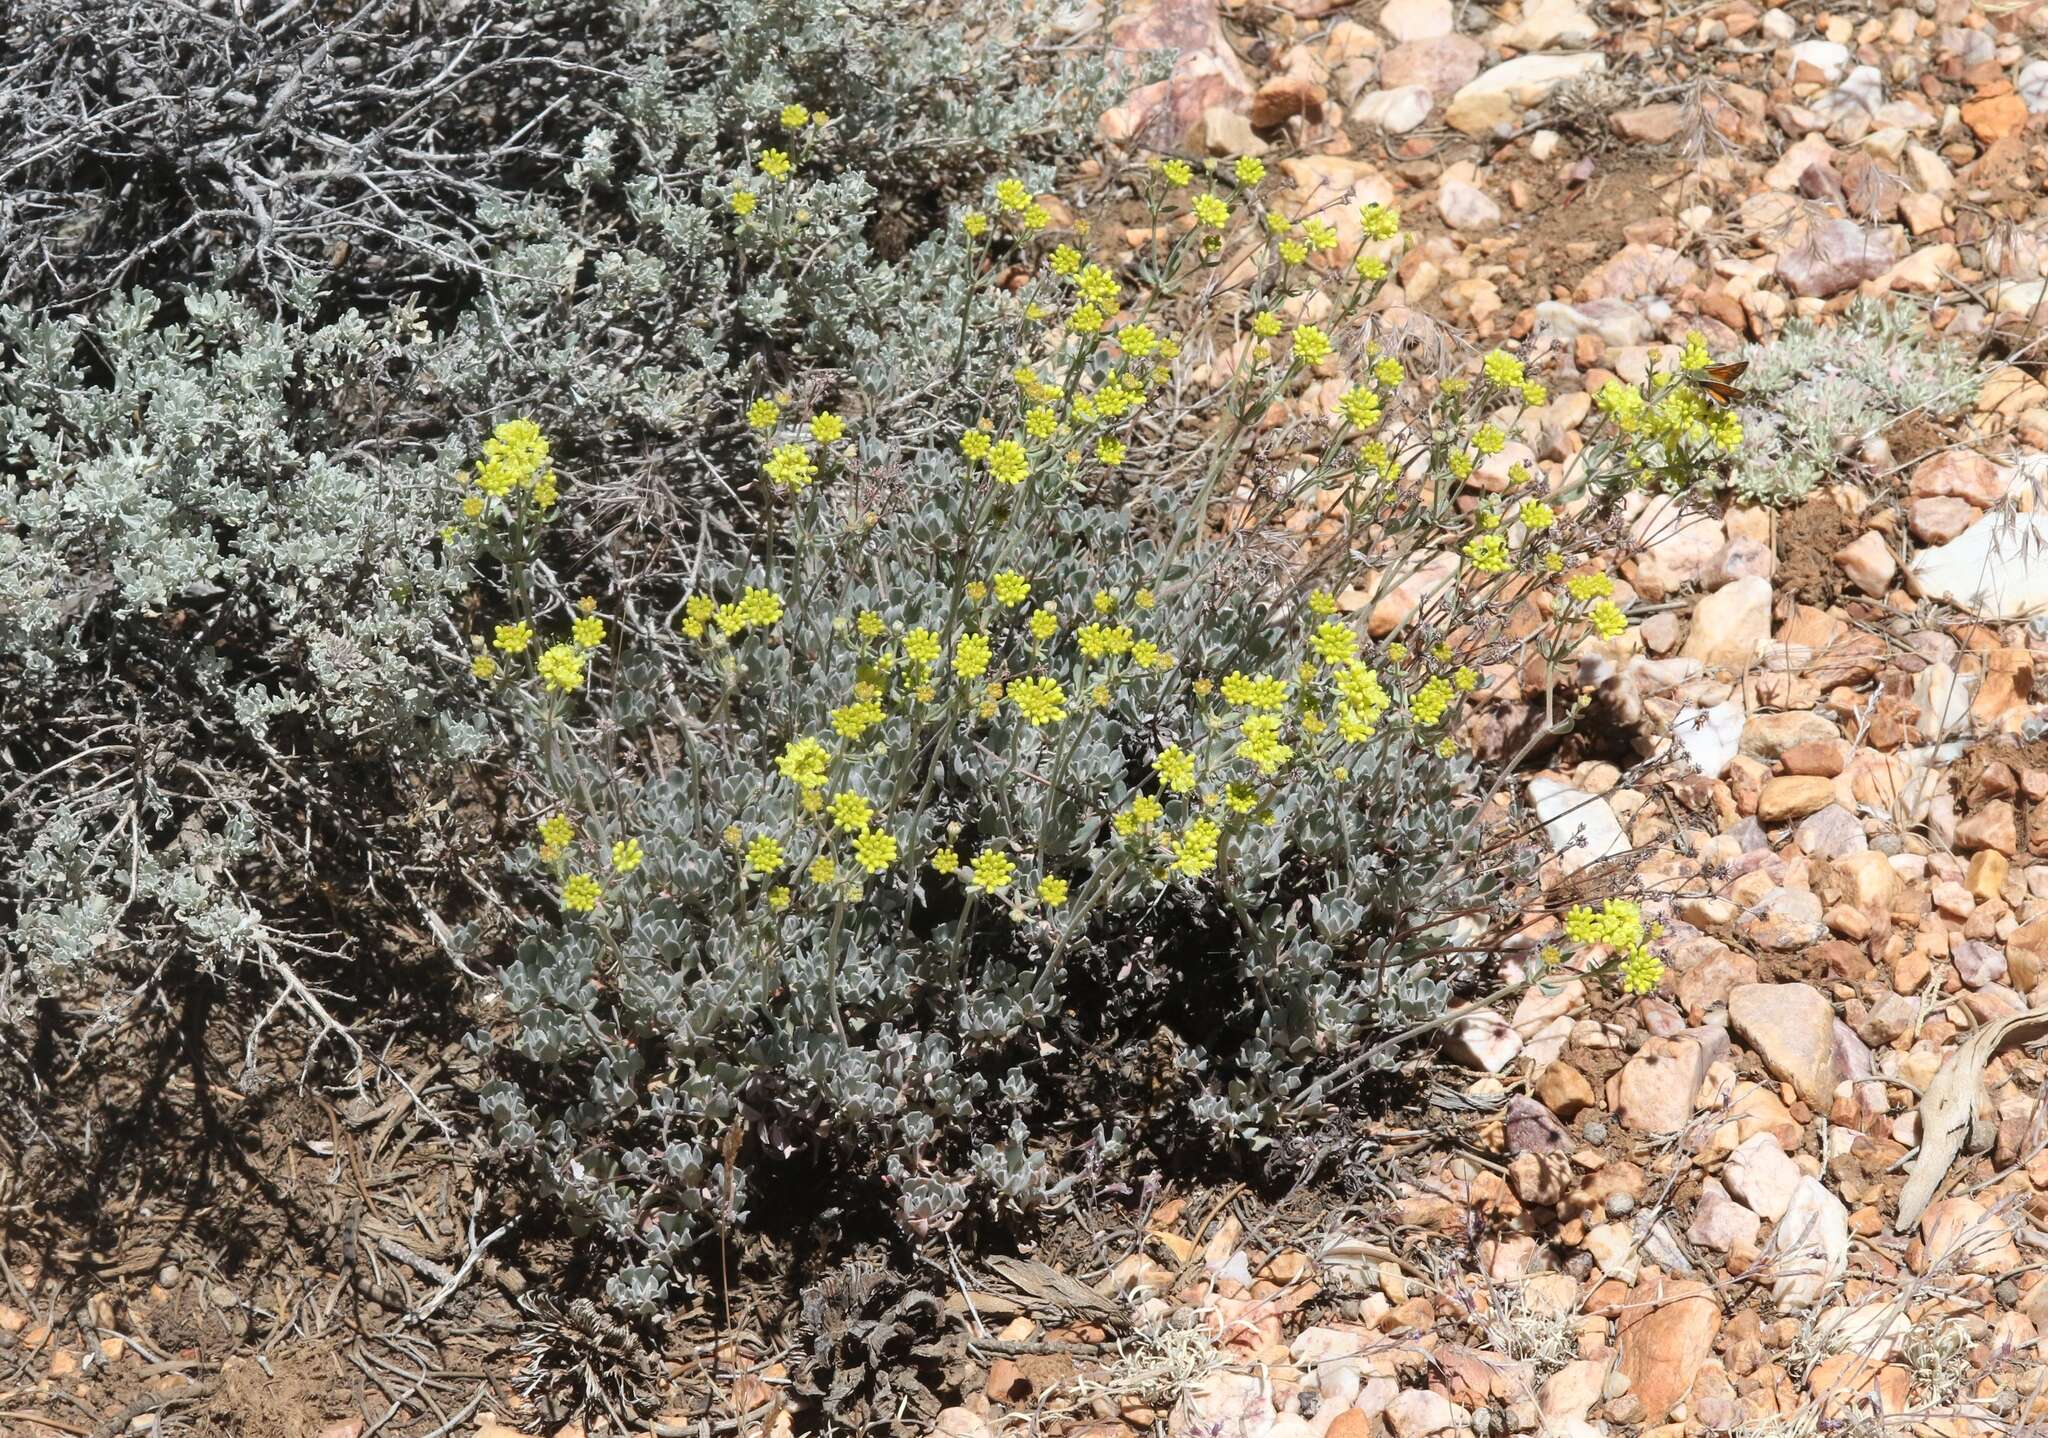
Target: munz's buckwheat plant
[{"x": 870, "y": 857}]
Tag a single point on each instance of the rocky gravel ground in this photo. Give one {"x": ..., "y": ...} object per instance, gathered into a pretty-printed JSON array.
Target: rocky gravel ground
[{"x": 1803, "y": 1187}]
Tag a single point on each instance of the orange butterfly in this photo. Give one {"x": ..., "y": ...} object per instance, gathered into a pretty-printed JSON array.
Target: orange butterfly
[{"x": 1717, "y": 381}]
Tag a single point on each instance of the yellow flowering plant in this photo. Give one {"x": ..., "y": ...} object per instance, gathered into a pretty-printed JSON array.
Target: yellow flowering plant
[{"x": 1003, "y": 704}]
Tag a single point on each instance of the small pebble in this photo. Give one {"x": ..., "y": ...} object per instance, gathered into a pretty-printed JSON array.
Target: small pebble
[{"x": 1596, "y": 1132}]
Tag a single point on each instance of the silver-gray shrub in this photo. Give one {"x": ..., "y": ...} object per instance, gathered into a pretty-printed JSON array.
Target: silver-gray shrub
[
  {"x": 268, "y": 271},
  {"x": 394, "y": 147},
  {"x": 216, "y": 599},
  {"x": 743, "y": 1020},
  {"x": 1815, "y": 393},
  {"x": 538, "y": 184}
]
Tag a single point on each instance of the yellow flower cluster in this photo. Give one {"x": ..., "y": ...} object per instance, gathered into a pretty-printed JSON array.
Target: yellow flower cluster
[
  {"x": 1194, "y": 850},
  {"x": 1040, "y": 700},
  {"x": 561, "y": 668},
  {"x": 991, "y": 872},
  {"x": 1360, "y": 407},
  {"x": 1362, "y": 701},
  {"x": 1103, "y": 641},
  {"x": 581, "y": 893},
  {"x": 790, "y": 467},
  {"x": 1430, "y": 702},
  {"x": 1311, "y": 345},
  {"x": 1007, "y": 462},
  {"x": 1176, "y": 768},
  {"x": 874, "y": 851},
  {"x": 971, "y": 656},
  {"x": 1013, "y": 197},
  {"x": 557, "y": 832},
  {"x": 1334, "y": 643},
  {"x": 1258, "y": 691},
  {"x": 851, "y": 721},
  {"x": 850, "y": 812},
  {"x": 1259, "y": 743},
  {"x": 1488, "y": 553},
  {"x": 921, "y": 646},
  {"x": 804, "y": 763},
  {"x": 1503, "y": 369},
  {"x": 1143, "y": 812},
  {"x": 1677, "y": 425},
  {"x": 1618, "y": 926},
  {"x": 515, "y": 457}
]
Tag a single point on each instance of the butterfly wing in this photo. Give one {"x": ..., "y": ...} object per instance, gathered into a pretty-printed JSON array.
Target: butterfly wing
[{"x": 1718, "y": 382}]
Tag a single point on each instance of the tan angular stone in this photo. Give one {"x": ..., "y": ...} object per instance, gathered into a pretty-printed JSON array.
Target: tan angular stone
[
  {"x": 1709, "y": 982},
  {"x": 1540, "y": 1180},
  {"x": 1283, "y": 97},
  {"x": 1569, "y": 1394},
  {"x": 1856, "y": 1382},
  {"x": 1729, "y": 625},
  {"x": 1768, "y": 736},
  {"x": 2026, "y": 954},
  {"x": 1990, "y": 826},
  {"x": 1826, "y": 757},
  {"x": 1227, "y": 133},
  {"x": 1869, "y": 563},
  {"x": 1867, "y": 880},
  {"x": 2007, "y": 684},
  {"x": 1665, "y": 1333},
  {"x": 1752, "y": 1109},
  {"x": 1501, "y": 94},
  {"x": 1563, "y": 1090},
  {"x": 1400, "y": 603},
  {"x": 1923, "y": 213},
  {"x": 1968, "y": 1236},
  {"x": 1440, "y": 65},
  {"x": 1793, "y": 796},
  {"x": 1206, "y": 71},
  {"x": 1791, "y": 1028},
  {"x": 1939, "y": 519},
  {"x": 1655, "y": 124},
  {"x": 1960, "y": 474},
  {"x": 1985, "y": 878},
  {"x": 1654, "y": 1091},
  {"x": 1994, "y": 117}
]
